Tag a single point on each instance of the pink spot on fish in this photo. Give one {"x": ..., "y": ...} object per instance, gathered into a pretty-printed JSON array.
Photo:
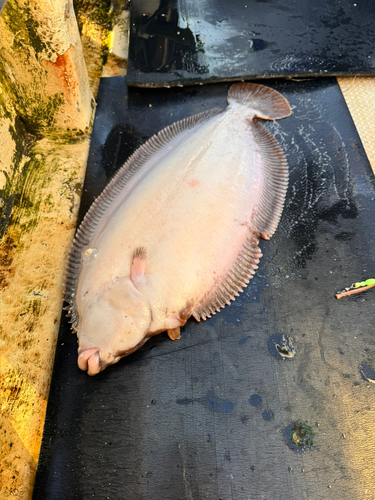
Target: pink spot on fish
[{"x": 193, "y": 183}]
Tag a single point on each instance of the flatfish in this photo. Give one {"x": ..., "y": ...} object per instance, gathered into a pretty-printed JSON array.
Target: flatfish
[{"x": 176, "y": 232}]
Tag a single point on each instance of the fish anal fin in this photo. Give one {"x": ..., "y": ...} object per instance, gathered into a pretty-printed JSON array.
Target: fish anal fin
[
  {"x": 265, "y": 236},
  {"x": 276, "y": 178},
  {"x": 138, "y": 265},
  {"x": 174, "y": 333},
  {"x": 233, "y": 283}
]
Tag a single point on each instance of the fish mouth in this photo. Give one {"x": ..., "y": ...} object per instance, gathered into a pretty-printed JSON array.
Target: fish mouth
[{"x": 89, "y": 360}]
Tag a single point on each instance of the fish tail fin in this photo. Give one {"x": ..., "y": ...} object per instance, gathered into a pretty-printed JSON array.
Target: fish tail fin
[{"x": 264, "y": 102}]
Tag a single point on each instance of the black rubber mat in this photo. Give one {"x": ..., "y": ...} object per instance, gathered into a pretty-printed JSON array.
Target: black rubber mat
[
  {"x": 273, "y": 397},
  {"x": 179, "y": 42}
]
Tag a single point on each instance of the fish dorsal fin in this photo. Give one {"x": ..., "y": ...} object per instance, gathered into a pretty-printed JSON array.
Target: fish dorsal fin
[
  {"x": 264, "y": 225},
  {"x": 263, "y": 101},
  {"x": 98, "y": 209}
]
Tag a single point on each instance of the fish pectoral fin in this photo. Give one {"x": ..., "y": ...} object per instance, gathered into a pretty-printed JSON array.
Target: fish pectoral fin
[
  {"x": 138, "y": 263},
  {"x": 174, "y": 333}
]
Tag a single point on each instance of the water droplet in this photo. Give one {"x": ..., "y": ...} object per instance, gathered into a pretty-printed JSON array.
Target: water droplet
[
  {"x": 255, "y": 400},
  {"x": 243, "y": 340},
  {"x": 268, "y": 415}
]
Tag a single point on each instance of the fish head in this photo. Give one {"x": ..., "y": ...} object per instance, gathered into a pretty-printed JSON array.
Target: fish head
[{"x": 111, "y": 325}]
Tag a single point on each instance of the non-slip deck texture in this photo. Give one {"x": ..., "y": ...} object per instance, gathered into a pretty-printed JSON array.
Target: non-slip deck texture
[
  {"x": 214, "y": 414},
  {"x": 359, "y": 94},
  {"x": 181, "y": 42}
]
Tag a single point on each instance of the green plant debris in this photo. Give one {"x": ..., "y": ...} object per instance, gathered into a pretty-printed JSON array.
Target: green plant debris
[
  {"x": 36, "y": 110},
  {"x": 96, "y": 19},
  {"x": 25, "y": 27},
  {"x": 97, "y": 13},
  {"x": 301, "y": 435}
]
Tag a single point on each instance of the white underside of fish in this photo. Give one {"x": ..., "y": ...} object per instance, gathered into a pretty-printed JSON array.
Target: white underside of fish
[{"x": 176, "y": 232}]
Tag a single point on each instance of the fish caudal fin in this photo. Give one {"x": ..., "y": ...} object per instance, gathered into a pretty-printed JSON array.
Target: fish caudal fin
[{"x": 263, "y": 102}]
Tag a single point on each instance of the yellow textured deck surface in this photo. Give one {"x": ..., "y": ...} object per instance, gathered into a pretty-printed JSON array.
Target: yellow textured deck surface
[
  {"x": 32, "y": 262},
  {"x": 359, "y": 94}
]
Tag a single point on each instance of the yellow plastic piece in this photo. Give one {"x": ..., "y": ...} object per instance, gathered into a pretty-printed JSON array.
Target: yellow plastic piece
[{"x": 359, "y": 94}]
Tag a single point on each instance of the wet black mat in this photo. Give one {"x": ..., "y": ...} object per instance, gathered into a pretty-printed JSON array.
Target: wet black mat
[
  {"x": 273, "y": 398},
  {"x": 178, "y": 42}
]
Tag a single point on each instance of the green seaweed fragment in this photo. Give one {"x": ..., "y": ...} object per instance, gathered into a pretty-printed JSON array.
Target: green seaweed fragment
[{"x": 301, "y": 435}]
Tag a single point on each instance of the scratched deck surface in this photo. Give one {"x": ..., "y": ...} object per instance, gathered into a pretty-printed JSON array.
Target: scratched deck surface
[
  {"x": 212, "y": 415},
  {"x": 179, "y": 42}
]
